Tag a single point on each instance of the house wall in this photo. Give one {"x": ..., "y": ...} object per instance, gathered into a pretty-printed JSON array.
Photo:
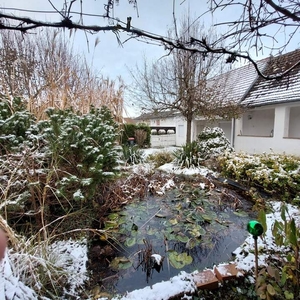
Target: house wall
[
  {"x": 163, "y": 140},
  {"x": 285, "y": 122}
]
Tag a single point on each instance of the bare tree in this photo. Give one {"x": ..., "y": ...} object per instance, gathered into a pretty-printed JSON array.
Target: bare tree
[
  {"x": 180, "y": 82},
  {"x": 43, "y": 70},
  {"x": 249, "y": 27}
]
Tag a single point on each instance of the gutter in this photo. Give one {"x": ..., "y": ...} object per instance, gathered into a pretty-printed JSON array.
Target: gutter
[{"x": 233, "y": 132}]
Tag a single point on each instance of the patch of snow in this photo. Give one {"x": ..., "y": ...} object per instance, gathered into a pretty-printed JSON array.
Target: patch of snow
[
  {"x": 158, "y": 258},
  {"x": 183, "y": 283}
]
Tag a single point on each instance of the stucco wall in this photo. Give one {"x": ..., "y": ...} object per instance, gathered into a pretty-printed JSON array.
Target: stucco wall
[
  {"x": 278, "y": 143},
  {"x": 163, "y": 140}
]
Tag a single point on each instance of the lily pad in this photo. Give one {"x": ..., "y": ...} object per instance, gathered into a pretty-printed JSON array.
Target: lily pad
[
  {"x": 111, "y": 225},
  {"x": 182, "y": 238},
  {"x": 151, "y": 231},
  {"x": 173, "y": 221},
  {"x": 113, "y": 216},
  {"x": 179, "y": 260},
  {"x": 130, "y": 242},
  {"x": 192, "y": 243},
  {"x": 120, "y": 263}
]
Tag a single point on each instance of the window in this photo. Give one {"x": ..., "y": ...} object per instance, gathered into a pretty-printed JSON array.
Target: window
[
  {"x": 294, "y": 122},
  {"x": 259, "y": 122}
]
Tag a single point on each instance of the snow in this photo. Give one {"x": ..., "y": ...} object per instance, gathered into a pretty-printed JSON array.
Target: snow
[
  {"x": 183, "y": 283},
  {"x": 158, "y": 258},
  {"x": 71, "y": 256}
]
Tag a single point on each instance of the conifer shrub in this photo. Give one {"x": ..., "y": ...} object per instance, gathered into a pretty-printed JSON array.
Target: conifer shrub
[
  {"x": 211, "y": 143},
  {"x": 61, "y": 164},
  {"x": 14, "y": 121},
  {"x": 82, "y": 147}
]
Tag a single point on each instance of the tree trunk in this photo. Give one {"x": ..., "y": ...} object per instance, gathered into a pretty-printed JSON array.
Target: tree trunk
[{"x": 188, "y": 130}]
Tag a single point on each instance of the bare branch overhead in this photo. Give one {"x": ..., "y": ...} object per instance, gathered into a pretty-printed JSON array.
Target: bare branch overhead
[{"x": 256, "y": 25}]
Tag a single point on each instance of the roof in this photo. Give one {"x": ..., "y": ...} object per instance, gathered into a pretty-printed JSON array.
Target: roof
[
  {"x": 243, "y": 85},
  {"x": 284, "y": 90},
  {"x": 235, "y": 84},
  {"x": 157, "y": 115}
]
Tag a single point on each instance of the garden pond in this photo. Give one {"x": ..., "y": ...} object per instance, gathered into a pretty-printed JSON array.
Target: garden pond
[{"x": 188, "y": 227}]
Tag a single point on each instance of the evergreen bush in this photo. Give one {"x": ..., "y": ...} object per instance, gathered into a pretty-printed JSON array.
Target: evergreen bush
[
  {"x": 14, "y": 121},
  {"x": 210, "y": 143},
  {"x": 276, "y": 174}
]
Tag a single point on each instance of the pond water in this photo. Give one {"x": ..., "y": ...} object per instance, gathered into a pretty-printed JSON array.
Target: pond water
[{"x": 190, "y": 228}]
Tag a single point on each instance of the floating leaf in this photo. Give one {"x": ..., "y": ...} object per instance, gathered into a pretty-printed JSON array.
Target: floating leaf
[
  {"x": 192, "y": 243},
  {"x": 179, "y": 260},
  {"x": 113, "y": 216},
  {"x": 151, "y": 231},
  {"x": 110, "y": 225},
  {"x": 207, "y": 218},
  {"x": 130, "y": 242},
  {"x": 288, "y": 295},
  {"x": 271, "y": 290},
  {"x": 197, "y": 231},
  {"x": 120, "y": 263},
  {"x": 182, "y": 238},
  {"x": 173, "y": 221}
]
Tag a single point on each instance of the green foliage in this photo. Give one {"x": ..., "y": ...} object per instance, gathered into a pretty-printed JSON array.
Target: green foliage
[
  {"x": 211, "y": 143},
  {"x": 188, "y": 156},
  {"x": 128, "y": 132},
  {"x": 276, "y": 174},
  {"x": 62, "y": 163},
  {"x": 132, "y": 130},
  {"x": 132, "y": 154},
  {"x": 283, "y": 278},
  {"x": 83, "y": 147},
  {"x": 14, "y": 122},
  {"x": 160, "y": 158}
]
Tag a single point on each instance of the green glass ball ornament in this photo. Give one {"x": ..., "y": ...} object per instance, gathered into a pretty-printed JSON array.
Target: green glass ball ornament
[{"x": 255, "y": 228}]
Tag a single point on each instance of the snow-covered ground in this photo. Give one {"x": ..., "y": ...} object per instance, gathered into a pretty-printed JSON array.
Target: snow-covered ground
[{"x": 71, "y": 256}]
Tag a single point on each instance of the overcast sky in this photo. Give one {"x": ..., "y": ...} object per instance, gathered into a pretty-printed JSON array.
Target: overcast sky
[
  {"x": 109, "y": 57},
  {"x": 112, "y": 60}
]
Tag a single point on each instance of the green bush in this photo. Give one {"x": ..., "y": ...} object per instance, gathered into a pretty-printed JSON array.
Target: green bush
[
  {"x": 133, "y": 130},
  {"x": 188, "y": 156},
  {"x": 62, "y": 163},
  {"x": 14, "y": 122},
  {"x": 210, "y": 143},
  {"x": 83, "y": 147},
  {"x": 278, "y": 175},
  {"x": 132, "y": 154},
  {"x": 160, "y": 158}
]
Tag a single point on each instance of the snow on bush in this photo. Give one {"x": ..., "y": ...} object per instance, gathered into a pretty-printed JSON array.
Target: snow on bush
[
  {"x": 212, "y": 142},
  {"x": 277, "y": 174}
]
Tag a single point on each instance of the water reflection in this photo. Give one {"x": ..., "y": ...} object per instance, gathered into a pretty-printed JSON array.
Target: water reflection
[{"x": 190, "y": 235}]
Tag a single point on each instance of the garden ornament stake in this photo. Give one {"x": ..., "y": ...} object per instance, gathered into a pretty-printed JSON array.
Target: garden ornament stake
[{"x": 256, "y": 229}]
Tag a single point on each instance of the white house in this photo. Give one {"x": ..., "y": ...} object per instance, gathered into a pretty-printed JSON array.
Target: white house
[{"x": 271, "y": 121}]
